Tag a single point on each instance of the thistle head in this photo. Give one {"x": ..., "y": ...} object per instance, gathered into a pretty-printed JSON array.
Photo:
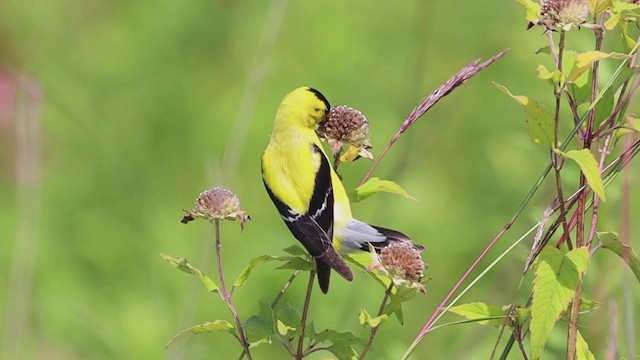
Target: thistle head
[
  {"x": 346, "y": 125},
  {"x": 564, "y": 13},
  {"x": 217, "y": 204},
  {"x": 403, "y": 261}
]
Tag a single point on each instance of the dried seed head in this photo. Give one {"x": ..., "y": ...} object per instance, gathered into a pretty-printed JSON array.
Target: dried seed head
[
  {"x": 217, "y": 203},
  {"x": 346, "y": 125},
  {"x": 564, "y": 13},
  {"x": 402, "y": 260}
]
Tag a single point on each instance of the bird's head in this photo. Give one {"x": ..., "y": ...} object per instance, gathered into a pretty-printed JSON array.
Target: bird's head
[{"x": 304, "y": 106}]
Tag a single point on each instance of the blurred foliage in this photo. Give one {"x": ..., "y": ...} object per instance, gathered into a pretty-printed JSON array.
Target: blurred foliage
[{"x": 141, "y": 99}]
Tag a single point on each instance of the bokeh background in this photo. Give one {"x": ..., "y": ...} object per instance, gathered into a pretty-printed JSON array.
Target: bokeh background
[{"x": 114, "y": 115}]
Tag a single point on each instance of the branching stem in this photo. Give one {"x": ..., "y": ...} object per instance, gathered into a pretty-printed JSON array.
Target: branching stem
[
  {"x": 555, "y": 158},
  {"x": 374, "y": 330},
  {"x": 225, "y": 294}
]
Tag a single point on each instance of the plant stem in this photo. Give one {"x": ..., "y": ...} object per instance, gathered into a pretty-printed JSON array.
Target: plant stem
[
  {"x": 555, "y": 158},
  {"x": 284, "y": 288},
  {"x": 305, "y": 311},
  {"x": 225, "y": 294},
  {"x": 575, "y": 304},
  {"x": 374, "y": 330}
]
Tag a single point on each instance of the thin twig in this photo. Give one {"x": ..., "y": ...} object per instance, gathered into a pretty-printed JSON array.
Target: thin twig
[
  {"x": 374, "y": 330},
  {"x": 518, "y": 336},
  {"x": 305, "y": 311},
  {"x": 555, "y": 158},
  {"x": 284, "y": 288},
  {"x": 225, "y": 294}
]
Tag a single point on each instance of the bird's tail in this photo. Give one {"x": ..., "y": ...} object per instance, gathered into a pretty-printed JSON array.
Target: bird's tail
[
  {"x": 331, "y": 260},
  {"x": 358, "y": 235},
  {"x": 393, "y": 236}
]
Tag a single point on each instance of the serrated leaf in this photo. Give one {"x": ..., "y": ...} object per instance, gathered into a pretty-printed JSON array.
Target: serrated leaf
[
  {"x": 557, "y": 277},
  {"x": 214, "y": 326},
  {"x": 375, "y": 185},
  {"x": 365, "y": 319},
  {"x": 596, "y": 7},
  {"x": 183, "y": 265},
  {"x": 539, "y": 120},
  {"x": 611, "y": 241},
  {"x": 589, "y": 167},
  {"x": 480, "y": 310},
  {"x": 532, "y": 8},
  {"x": 582, "y": 349},
  {"x": 586, "y": 59}
]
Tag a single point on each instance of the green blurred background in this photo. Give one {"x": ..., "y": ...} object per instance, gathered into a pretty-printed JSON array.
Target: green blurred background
[{"x": 114, "y": 115}]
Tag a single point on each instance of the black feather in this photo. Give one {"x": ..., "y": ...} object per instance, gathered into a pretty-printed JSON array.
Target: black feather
[
  {"x": 315, "y": 228},
  {"x": 391, "y": 237}
]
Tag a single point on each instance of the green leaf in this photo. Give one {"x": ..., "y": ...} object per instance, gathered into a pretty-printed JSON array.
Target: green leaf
[
  {"x": 622, "y": 10},
  {"x": 557, "y": 277},
  {"x": 296, "y": 250},
  {"x": 399, "y": 295},
  {"x": 283, "y": 329},
  {"x": 589, "y": 167},
  {"x": 290, "y": 262},
  {"x": 373, "y": 322},
  {"x": 582, "y": 349},
  {"x": 539, "y": 120},
  {"x": 611, "y": 241},
  {"x": 596, "y": 7},
  {"x": 586, "y": 59},
  {"x": 478, "y": 310},
  {"x": 342, "y": 343},
  {"x": 587, "y": 305},
  {"x": 375, "y": 185},
  {"x": 181, "y": 264},
  {"x": 553, "y": 77},
  {"x": 260, "y": 328},
  {"x": 215, "y": 326},
  {"x": 288, "y": 315},
  {"x": 532, "y": 8},
  {"x": 296, "y": 263}
]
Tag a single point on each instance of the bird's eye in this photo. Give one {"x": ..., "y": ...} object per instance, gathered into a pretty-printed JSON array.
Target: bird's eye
[{"x": 316, "y": 109}]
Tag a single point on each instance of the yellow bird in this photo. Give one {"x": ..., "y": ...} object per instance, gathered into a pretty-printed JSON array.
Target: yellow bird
[{"x": 309, "y": 194}]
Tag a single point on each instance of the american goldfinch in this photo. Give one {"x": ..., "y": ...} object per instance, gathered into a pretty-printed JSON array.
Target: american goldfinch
[{"x": 309, "y": 194}]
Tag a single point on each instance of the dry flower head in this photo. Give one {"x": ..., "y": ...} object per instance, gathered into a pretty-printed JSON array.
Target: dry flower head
[
  {"x": 346, "y": 125},
  {"x": 563, "y": 13},
  {"x": 217, "y": 203}
]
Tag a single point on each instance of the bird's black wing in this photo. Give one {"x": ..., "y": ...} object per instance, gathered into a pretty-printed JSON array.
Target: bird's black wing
[{"x": 315, "y": 228}]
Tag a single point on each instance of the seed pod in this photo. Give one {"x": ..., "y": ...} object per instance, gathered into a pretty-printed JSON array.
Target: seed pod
[{"x": 217, "y": 203}]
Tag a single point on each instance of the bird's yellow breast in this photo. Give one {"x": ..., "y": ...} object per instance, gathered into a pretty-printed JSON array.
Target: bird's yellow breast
[{"x": 289, "y": 169}]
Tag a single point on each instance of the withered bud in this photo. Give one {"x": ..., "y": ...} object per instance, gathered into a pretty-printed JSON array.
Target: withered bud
[
  {"x": 564, "y": 13},
  {"x": 345, "y": 125},
  {"x": 402, "y": 260},
  {"x": 217, "y": 203}
]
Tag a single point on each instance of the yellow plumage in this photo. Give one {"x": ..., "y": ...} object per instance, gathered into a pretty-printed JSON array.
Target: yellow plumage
[{"x": 307, "y": 191}]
